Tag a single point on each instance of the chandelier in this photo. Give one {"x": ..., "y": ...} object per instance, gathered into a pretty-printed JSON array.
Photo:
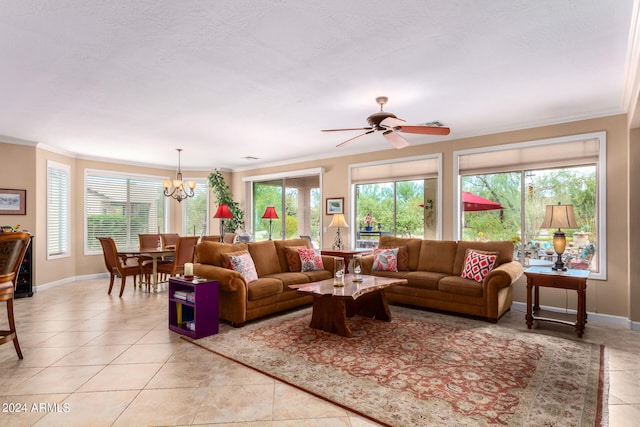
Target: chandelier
[{"x": 176, "y": 188}]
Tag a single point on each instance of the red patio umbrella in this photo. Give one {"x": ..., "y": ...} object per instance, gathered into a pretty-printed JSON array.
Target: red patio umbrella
[{"x": 472, "y": 203}]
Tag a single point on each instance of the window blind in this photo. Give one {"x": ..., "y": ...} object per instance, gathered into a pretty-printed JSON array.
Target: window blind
[
  {"x": 121, "y": 207},
  {"x": 573, "y": 153},
  {"x": 395, "y": 171},
  {"x": 58, "y": 189}
]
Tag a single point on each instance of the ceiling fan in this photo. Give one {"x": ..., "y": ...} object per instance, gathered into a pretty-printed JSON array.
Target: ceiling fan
[{"x": 390, "y": 125}]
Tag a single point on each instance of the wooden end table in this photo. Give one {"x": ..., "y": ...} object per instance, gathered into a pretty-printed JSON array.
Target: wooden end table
[
  {"x": 546, "y": 277},
  {"x": 346, "y": 254},
  {"x": 332, "y": 305}
]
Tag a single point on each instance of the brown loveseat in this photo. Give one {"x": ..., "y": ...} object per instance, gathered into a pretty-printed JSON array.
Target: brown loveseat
[
  {"x": 241, "y": 301},
  {"x": 433, "y": 267}
]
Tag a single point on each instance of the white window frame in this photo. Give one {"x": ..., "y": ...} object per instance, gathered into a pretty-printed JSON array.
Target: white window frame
[
  {"x": 352, "y": 188},
  {"x": 601, "y": 179},
  {"x": 65, "y": 222},
  {"x": 249, "y": 180}
]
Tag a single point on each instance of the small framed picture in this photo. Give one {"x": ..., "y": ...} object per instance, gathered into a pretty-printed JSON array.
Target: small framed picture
[
  {"x": 13, "y": 202},
  {"x": 335, "y": 205}
]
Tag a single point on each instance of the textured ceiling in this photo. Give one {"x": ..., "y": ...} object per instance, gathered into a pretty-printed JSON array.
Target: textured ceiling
[{"x": 133, "y": 80}]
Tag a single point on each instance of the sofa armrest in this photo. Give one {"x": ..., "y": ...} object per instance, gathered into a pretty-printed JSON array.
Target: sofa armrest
[
  {"x": 504, "y": 275},
  {"x": 328, "y": 263},
  {"x": 230, "y": 280},
  {"x": 366, "y": 264}
]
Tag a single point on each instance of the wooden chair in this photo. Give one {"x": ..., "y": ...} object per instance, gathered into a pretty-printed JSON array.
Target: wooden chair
[
  {"x": 12, "y": 249},
  {"x": 147, "y": 242},
  {"x": 185, "y": 250},
  {"x": 169, "y": 239},
  {"x": 116, "y": 265},
  {"x": 212, "y": 238},
  {"x": 229, "y": 238}
]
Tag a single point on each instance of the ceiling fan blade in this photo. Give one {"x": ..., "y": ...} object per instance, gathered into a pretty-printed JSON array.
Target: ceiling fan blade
[
  {"x": 395, "y": 139},
  {"x": 355, "y": 137},
  {"x": 392, "y": 122},
  {"x": 340, "y": 130},
  {"x": 425, "y": 130}
]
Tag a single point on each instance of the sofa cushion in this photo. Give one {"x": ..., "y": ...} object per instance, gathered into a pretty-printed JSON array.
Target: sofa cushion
[
  {"x": 243, "y": 264},
  {"x": 280, "y": 250},
  {"x": 310, "y": 259},
  {"x": 437, "y": 256},
  {"x": 209, "y": 252},
  {"x": 264, "y": 287},
  {"x": 385, "y": 259},
  {"x": 289, "y": 278},
  {"x": 265, "y": 257},
  {"x": 293, "y": 258},
  {"x": 413, "y": 248},
  {"x": 318, "y": 275},
  {"x": 505, "y": 252},
  {"x": 424, "y": 279},
  {"x": 403, "y": 256},
  {"x": 458, "y": 285},
  {"x": 478, "y": 264}
]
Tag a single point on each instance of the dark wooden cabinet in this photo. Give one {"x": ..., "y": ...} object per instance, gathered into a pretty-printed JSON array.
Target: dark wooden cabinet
[{"x": 24, "y": 282}]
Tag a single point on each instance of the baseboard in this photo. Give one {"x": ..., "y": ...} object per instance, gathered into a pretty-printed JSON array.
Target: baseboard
[
  {"x": 69, "y": 280},
  {"x": 604, "y": 318}
]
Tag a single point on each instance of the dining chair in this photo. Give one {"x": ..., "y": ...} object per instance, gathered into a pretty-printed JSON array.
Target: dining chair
[
  {"x": 147, "y": 242},
  {"x": 12, "y": 249},
  {"x": 212, "y": 238},
  {"x": 118, "y": 266},
  {"x": 229, "y": 238},
  {"x": 169, "y": 239},
  {"x": 185, "y": 250}
]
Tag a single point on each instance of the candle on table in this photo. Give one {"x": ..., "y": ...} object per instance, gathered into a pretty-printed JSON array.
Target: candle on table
[{"x": 188, "y": 269}]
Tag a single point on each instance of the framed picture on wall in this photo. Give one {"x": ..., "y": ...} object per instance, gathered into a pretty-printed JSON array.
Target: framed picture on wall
[
  {"x": 13, "y": 202},
  {"x": 335, "y": 205}
]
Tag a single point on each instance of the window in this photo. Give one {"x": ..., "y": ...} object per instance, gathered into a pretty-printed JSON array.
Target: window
[
  {"x": 522, "y": 179},
  {"x": 58, "y": 202},
  {"x": 295, "y": 193},
  {"x": 195, "y": 210},
  {"x": 398, "y": 198},
  {"x": 122, "y": 206}
]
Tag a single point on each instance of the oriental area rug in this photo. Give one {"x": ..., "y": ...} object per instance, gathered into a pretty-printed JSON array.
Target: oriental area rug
[{"x": 429, "y": 369}]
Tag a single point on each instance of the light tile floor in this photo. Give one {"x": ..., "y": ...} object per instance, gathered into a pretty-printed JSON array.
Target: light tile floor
[{"x": 97, "y": 360}]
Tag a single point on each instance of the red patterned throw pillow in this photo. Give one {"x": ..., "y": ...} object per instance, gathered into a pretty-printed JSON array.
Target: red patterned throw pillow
[
  {"x": 385, "y": 259},
  {"x": 243, "y": 264},
  {"x": 310, "y": 259},
  {"x": 478, "y": 264}
]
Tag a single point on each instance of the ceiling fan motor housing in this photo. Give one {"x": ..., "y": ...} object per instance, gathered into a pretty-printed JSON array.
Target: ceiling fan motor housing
[{"x": 376, "y": 118}]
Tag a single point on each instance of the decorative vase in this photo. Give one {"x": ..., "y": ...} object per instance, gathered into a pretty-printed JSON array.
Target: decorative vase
[{"x": 368, "y": 228}]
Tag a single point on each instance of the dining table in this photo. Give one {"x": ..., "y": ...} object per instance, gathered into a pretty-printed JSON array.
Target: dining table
[{"x": 154, "y": 254}]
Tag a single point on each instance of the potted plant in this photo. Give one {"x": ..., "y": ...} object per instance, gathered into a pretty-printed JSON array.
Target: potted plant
[
  {"x": 368, "y": 220},
  {"x": 223, "y": 196}
]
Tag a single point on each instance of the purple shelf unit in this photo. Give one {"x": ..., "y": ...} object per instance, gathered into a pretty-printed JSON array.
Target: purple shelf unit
[{"x": 203, "y": 310}]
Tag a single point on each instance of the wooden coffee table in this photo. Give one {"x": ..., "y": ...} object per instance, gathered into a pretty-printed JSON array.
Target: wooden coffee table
[{"x": 332, "y": 305}]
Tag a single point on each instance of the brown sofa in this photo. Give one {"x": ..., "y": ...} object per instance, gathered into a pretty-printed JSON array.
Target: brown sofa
[
  {"x": 241, "y": 301},
  {"x": 433, "y": 267}
]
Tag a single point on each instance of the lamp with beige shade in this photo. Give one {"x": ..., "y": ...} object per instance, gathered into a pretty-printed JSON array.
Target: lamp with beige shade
[{"x": 559, "y": 216}]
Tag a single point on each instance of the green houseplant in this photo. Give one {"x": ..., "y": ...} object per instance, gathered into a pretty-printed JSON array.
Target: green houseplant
[{"x": 223, "y": 196}]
